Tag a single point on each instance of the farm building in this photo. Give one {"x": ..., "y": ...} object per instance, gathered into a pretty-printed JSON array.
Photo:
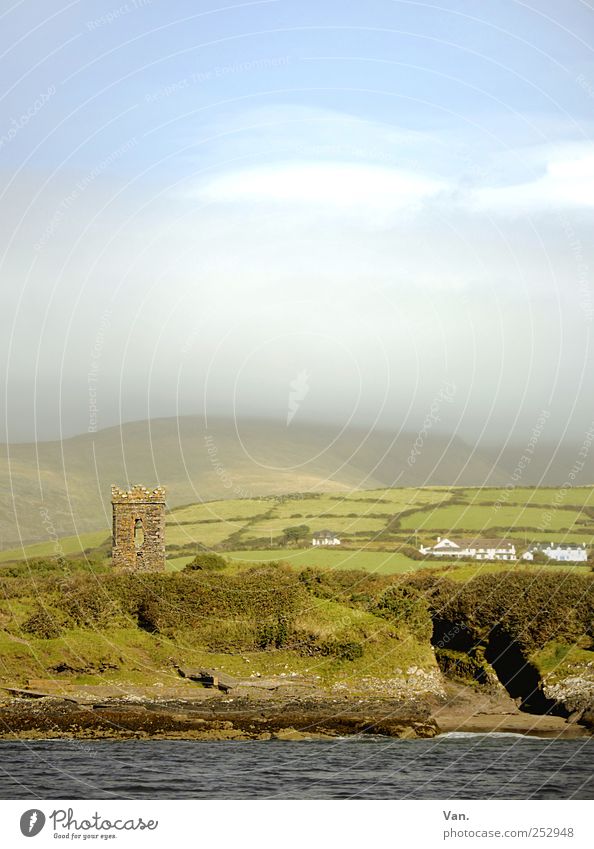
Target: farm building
[
  {"x": 564, "y": 552},
  {"x": 473, "y": 549},
  {"x": 325, "y": 538}
]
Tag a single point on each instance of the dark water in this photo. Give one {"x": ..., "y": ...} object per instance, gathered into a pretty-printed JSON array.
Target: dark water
[{"x": 448, "y": 767}]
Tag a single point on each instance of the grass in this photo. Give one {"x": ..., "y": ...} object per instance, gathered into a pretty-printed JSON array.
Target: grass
[
  {"x": 205, "y": 533},
  {"x": 550, "y": 496},
  {"x": 63, "y": 546},
  {"x": 345, "y": 526},
  {"x": 402, "y": 497},
  {"x": 242, "y": 508},
  {"x": 380, "y": 562},
  {"x": 466, "y": 571},
  {"x": 558, "y": 660},
  {"x": 458, "y": 517},
  {"x": 330, "y": 507},
  {"x": 385, "y": 563},
  {"x": 127, "y": 657}
]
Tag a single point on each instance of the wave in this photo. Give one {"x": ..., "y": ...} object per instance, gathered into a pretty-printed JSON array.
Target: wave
[{"x": 465, "y": 735}]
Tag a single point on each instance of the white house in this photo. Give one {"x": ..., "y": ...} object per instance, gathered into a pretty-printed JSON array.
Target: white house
[
  {"x": 442, "y": 548},
  {"x": 474, "y": 549},
  {"x": 325, "y": 538},
  {"x": 562, "y": 552}
]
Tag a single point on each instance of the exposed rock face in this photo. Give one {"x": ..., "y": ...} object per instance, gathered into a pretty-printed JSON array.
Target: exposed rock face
[
  {"x": 587, "y": 718},
  {"x": 415, "y": 683},
  {"x": 216, "y": 718},
  {"x": 575, "y": 693}
]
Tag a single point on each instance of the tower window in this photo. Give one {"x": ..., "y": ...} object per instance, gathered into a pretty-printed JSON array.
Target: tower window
[{"x": 138, "y": 534}]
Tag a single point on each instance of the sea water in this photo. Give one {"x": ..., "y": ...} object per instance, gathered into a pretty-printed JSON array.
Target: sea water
[{"x": 451, "y": 766}]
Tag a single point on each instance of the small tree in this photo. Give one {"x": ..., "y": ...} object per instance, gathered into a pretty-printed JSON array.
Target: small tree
[{"x": 296, "y": 533}]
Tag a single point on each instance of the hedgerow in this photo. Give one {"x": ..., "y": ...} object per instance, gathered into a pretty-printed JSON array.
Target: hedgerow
[{"x": 164, "y": 603}]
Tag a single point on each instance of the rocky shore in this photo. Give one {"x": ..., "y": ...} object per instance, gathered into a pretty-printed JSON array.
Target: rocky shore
[
  {"x": 214, "y": 718},
  {"x": 215, "y": 715}
]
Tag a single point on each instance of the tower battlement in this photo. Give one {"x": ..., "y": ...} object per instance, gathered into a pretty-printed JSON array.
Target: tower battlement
[{"x": 137, "y": 494}]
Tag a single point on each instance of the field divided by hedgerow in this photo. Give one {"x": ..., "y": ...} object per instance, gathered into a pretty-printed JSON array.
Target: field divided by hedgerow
[{"x": 383, "y": 521}]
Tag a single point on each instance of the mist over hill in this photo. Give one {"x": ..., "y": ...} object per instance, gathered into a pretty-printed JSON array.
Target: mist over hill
[{"x": 63, "y": 488}]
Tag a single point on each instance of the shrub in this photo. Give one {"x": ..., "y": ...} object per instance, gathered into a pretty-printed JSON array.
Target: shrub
[
  {"x": 467, "y": 667},
  {"x": 206, "y": 562},
  {"x": 237, "y": 611},
  {"x": 42, "y": 624},
  {"x": 89, "y": 603},
  {"x": 406, "y": 605},
  {"x": 349, "y": 586},
  {"x": 35, "y": 566},
  {"x": 411, "y": 552},
  {"x": 273, "y": 634},
  {"x": 342, "y": 649}
]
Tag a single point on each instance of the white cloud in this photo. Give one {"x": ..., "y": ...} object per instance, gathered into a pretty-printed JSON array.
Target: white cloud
[
  {"x": 567, "y": 182},
  {"x": 336, "y": 185}
]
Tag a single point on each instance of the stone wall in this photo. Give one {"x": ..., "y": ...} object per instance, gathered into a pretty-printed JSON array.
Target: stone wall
[{"x": 138, "y": 542}]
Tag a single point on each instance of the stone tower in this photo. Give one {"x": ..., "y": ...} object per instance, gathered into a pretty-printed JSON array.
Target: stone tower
[{"x": 138, "y": 542}]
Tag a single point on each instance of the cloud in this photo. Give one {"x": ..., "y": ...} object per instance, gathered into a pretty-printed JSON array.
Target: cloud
[
  {"x": 568, "y": 182},
  {"x": 337, "y": 186},
  {"x": 325, "y": 162}
]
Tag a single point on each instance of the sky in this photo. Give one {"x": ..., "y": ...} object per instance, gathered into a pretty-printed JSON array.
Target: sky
[{"x": 377, "y": 214}]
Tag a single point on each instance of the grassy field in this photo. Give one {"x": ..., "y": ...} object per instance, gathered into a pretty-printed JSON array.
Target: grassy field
[
  {"x": 396, "y": 514},
  {"x": 64, "y": 546},
  {"x": 466, "y": 571},
  {"x": 380, "y": 562},
  {"x": 386, "y": 518},
  {"x": 205, "y": 533},
  {"x": 344, "y": 526},
  {"x": 470, "y": 517},
  {"x": 550, "y": 496},
  {"x": 238, "y": 509}
]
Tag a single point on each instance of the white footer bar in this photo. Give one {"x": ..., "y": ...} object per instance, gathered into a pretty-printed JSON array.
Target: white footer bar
[{"x": 299, "y": 824}]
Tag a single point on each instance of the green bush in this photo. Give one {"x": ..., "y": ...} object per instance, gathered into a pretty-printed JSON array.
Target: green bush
[
  {"x": 342, "y": 649},
  {"x": 42, "y": 623},
  {"x": 37, "y": 566},
  {"x": 274, "y": 633},
  {"x": 406, "y": 605},
  {"x": 467, "y": 667},
  {"x": 355, "y": 587},
  {"x": 206, "y": 562},
  {"x": 411, "y": 552},
  {"x": 88, "y": 602}
]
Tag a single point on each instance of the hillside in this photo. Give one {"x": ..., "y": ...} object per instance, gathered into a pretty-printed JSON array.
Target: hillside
[
  {"x": 296, "y": 648},
  {"x": 62, "y": 488}
]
